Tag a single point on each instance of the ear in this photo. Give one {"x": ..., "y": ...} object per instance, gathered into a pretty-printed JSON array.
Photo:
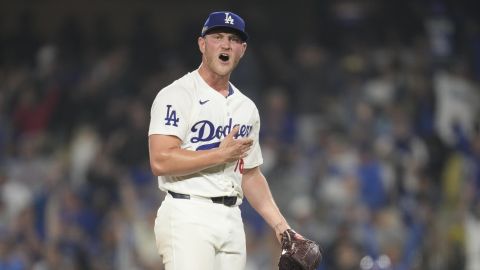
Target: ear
[
  {"x": 201, "y": 44},
  {"x": 244, "y": 48}
]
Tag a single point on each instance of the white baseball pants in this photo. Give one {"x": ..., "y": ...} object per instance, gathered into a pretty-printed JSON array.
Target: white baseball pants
[{"x": 197, "y": 234}]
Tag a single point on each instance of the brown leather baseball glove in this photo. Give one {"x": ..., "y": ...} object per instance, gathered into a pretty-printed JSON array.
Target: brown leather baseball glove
[{"x": 298, "y": 253}]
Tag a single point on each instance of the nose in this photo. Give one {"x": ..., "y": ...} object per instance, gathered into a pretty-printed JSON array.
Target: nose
[{"x": 226, "y": 43}]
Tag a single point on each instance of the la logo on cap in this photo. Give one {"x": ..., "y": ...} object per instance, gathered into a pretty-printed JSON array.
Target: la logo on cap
[{"x": 228, "y": 18}]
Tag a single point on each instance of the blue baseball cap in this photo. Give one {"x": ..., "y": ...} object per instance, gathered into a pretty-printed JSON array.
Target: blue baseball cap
[{"x": 225, "y": 19}]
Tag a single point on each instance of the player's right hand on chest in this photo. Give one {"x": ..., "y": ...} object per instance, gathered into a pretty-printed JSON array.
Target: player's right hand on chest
[{"x": 235, "y": 149}]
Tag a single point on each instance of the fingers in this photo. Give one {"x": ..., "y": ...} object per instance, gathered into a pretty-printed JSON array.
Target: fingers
[
  {"x": 243, "y": 149},
  {"x": 296, "y": 235},
  {"x": 245, "y": 142},
  {"x": 233, "y": 132},
  {"x": 299, "y": 236},
  {"x": 235, "y": 148}
]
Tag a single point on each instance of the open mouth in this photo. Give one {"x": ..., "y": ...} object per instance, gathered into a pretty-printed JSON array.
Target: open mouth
[{"x": 224, "y": 57}]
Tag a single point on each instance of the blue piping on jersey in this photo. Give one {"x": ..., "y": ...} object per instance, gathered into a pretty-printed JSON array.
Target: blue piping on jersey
[
  {"x": 208, "y": 146},
  {"x": 230, "y": 90}
]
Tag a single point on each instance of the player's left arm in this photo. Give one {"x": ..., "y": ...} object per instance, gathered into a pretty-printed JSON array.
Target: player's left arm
[{"x": 256, "y": 190}]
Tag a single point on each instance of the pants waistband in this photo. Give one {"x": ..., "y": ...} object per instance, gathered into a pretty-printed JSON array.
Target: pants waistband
[{"x": 225, "y": 200}]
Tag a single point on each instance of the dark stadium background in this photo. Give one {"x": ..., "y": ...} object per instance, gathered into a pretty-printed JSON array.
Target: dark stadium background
[{"x": 370, "y": 128}]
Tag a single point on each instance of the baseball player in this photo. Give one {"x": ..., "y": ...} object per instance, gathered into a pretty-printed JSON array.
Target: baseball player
[{"x": 204, "y": 146}]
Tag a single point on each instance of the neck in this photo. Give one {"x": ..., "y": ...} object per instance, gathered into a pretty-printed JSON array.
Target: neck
[{"x": 218, "y": 82}]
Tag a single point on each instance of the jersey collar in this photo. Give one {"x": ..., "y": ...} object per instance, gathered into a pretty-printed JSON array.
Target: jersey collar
[{"x": 230, "y": 89}]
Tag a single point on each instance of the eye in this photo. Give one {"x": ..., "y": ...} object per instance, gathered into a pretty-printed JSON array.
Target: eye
[{"x": 235, "y": 39}]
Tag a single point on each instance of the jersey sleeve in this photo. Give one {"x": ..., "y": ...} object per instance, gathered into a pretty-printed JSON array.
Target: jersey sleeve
[
  {"x": 254, "y": 158},
  {"x": 169, "y": 114}
]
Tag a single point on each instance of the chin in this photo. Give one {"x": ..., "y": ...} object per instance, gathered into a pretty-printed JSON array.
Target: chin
[{"x": 223, "y": 71}]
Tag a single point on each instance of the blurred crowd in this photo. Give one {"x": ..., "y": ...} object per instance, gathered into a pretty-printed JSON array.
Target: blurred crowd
[{"x": 370, "y": 135}]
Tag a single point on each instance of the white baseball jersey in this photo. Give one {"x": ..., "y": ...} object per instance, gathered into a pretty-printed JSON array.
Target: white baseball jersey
[{"x": 201, "y": 117}]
